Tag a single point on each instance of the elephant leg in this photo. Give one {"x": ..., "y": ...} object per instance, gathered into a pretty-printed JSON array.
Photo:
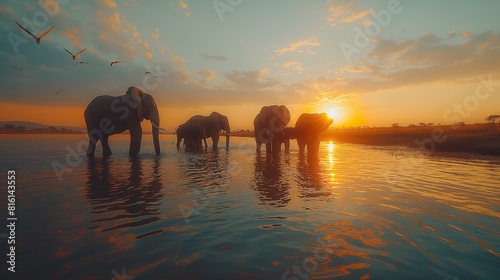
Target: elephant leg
[
  {"x": 257, "y": 145},
  {"x": 215, "y": 140},
  {"x": 135, "y": 139},
  {"x": 313, "y": 146},
  {"x": 287, "y": 145},
  {"x": 301, "y": 143},
  {"x": 205, "y": 141},
  {"x": 92, "y": 142},
  {"x": 106, "y": 150},
  {"x": 276, "y": 146},
  {"x": 268, "y": 148},
  {"x": 179, "y": 139}
]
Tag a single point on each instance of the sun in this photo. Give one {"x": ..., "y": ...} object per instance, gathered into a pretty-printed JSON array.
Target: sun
[{"x": 334, "y": 113}]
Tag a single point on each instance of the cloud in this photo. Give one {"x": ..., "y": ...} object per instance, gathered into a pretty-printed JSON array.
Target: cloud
[
  {"x": 213, "y": 57},
  {"x": 107, "y": 3},
  {"x": 183, "y": 6},
  {"x": 346, "y": 11},
  {"x": 132, "y": 3},
  {"x": 156, "y": 33},
  {"x": 410, "y": 63},
  {"x": 300, "y": 46},
  {"x": 73, "y": 34},
  {"x": 177, "y": 61},
  {"x": 207, "y": 76},
  {"x": 250, "y": 79},
  {"x": 6, "y": 10},
  {"x": 294, "y": 65}
]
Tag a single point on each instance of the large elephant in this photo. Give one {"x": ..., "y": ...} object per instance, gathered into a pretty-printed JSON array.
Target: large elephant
[
  {"x": 308, "y": 129},
  {"x": 107, "y": 115},
  {"x": 270, "y": 121},
  {"x": 212, "y": 124},
  {"x": 193, "y": 136}
]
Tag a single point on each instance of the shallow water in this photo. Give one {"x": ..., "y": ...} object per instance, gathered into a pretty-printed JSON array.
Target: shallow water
[{"x": 357, "y": 213}]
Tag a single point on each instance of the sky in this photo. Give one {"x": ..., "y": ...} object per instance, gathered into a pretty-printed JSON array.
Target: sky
[{"x": 366, "y": 63}]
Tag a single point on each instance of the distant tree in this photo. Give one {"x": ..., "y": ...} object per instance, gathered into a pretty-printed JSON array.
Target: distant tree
[
  {"x": 422, "y": 124},
  {"x": 52, "y": 129},
  {"x": 9, "y": 127},
  {"x": 492, "y": 118},
  {"x": 430, "y": 124},
  {"x": 395, "y": 125},
  {"x": 460, "y": 123},
  {"x": 20, "y": 128},
  {"x": 491, "y": 121},
  {"x": 411, "y": 125}
]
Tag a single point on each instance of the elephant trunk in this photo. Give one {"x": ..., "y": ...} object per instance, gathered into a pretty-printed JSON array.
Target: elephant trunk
[{"x": 155, "y": 126}]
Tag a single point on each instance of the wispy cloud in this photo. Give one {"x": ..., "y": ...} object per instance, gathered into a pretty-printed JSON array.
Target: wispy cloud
[
  {"x": 294, "y": 65},
  {"x": 250, "y": 79},
  {"x": 213, "y": 57},
  {"x": 424, "y": 60},
  {"x": 156, "y": 33},
  {"x": 107, "y": 3},
  {"x": 346, "y": 11},
  {"x": 177, "y": 61},
  {"x": 302, "y": 46},
  {"x": 183, "y": 7},
  {"x": 207, "y": 76}
]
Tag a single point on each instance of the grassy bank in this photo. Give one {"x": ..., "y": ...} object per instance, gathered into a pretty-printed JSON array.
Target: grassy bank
[
  {"x": 473, "y": 138},
  {"x": 476, "y": 138}
]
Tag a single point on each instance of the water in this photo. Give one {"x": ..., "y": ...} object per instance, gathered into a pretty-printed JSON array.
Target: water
[{"x": 358, "y": 213}]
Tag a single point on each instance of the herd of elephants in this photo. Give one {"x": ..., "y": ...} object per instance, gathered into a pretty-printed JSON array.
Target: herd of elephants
[{"x": 107, "y": 115}]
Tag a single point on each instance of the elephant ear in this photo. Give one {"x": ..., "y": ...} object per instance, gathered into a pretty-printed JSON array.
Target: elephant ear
[
  {"x": 215, "y": 118},
  {"x": 136, "y": 96}
]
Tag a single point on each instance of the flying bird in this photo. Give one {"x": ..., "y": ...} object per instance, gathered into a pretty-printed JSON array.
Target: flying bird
[
  {"x": 115, "y": 62},
  {"x": 20, "y": 69},
  {"x": 38, "y": 39},
  {"x": 59, "y": 91},
  {"x": 74, "y": 55},
  {"x": 147, "y": 72},
  {"x": 80, "y": 62}
]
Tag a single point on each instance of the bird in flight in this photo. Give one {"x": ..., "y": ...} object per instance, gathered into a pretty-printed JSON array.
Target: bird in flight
[
  {"x": 20, "y": 69},
  {"x": 148, "y": 73},
  {"x": 38, "y": 39},
  {"x": 59, "y": 91},
  {"x": 80, "y": 62},
  {"x": 115, "y": 62},
  {"x": 74, "y": 55}
]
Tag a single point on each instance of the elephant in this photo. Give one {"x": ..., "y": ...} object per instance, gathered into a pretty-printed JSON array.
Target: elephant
[
  {"x": 270, "y": 121},
  {"x": 308, "y": 129},
  {"x": 193, "y": 136},
  {"x": 285, "y": 136},
  {"x": 107, "y": 115},
  {"x": 212, "y": 124}
]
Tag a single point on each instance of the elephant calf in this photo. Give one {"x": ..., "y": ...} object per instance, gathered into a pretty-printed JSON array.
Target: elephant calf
[
  {"x": 192, "y": 134},
  {"x": 107, "y": 115}
]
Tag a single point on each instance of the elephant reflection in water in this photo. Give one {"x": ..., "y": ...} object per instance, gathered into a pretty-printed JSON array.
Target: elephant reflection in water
[
  {"x": 271, "y": 184},
  {"x": 111, "y": 187},
  {"x": 310, "y": 178}
]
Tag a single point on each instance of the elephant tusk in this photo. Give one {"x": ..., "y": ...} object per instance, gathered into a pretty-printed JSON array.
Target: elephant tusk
[{"x": 159, "y": 128}]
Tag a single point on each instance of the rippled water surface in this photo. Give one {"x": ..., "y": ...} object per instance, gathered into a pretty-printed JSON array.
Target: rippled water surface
[{"x": 357, "y": 213}]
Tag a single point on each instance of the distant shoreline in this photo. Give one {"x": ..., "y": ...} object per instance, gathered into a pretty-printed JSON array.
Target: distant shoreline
[
  {"x": 470, "y": 139},
  {"x": 431, "y": 140}
]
